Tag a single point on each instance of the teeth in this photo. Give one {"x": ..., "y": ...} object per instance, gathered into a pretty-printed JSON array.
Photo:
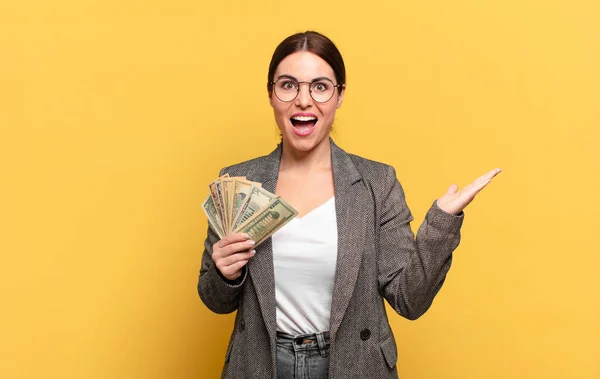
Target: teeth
[{"x": 304, "y": 118}]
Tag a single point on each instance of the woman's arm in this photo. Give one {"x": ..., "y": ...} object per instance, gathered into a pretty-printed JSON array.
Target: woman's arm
[
  {"x": 411, "y": 271},
  {"x": 218, "y": 293}
]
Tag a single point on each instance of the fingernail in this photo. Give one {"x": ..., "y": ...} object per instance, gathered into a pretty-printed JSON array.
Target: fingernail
[
  {"x": 246, "y": 235},
  {"x": 251, "y": 243},
  {"x": 253, "y": 252}
]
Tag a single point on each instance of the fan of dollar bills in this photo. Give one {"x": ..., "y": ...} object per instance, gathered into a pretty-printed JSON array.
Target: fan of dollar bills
[{"x": 237, "y": 205}]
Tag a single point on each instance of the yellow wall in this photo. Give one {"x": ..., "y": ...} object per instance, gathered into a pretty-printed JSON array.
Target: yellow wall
[{"x": 115, "y": 115}]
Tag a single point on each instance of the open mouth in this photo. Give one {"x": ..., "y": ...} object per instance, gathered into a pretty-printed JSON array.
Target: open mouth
[{"x": 303, "y": 121}]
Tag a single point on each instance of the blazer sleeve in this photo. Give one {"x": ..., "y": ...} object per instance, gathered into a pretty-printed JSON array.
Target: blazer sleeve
[
  {"x": 219, "y": 294},
  {"x": 411, "y": 271}
]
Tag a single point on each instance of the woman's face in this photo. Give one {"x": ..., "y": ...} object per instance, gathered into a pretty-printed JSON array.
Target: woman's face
[{"x": 303, "y": 122}]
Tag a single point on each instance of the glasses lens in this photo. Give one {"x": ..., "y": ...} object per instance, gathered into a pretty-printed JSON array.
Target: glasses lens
[
  {"x": 286, "y": 89},
  {"x": 322, "y": 90}
]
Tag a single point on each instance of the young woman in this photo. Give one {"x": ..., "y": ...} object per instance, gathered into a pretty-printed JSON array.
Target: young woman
[{"x": 309, "y": 300}]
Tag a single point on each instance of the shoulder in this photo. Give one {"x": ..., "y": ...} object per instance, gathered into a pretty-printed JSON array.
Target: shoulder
[
  {"x": 256, "y": 169},
  {"x": 379, "y": 178},
  {"x": 242, "y": 168},
  {"x": 385, "y": 188},
  {"x": 372, "y": 171}
]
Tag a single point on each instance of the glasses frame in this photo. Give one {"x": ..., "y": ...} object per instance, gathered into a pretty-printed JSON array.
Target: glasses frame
[{"x": 335, "y": 86}]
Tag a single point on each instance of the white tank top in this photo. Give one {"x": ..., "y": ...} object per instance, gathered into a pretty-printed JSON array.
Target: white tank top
[{"x": 304, "y": 259}]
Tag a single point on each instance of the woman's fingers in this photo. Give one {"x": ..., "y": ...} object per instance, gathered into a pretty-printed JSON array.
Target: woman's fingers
[
  {"x": 235, "y": 248},
  {"x": 453, "y": 189},
  {"x": 454, "y": 201},
  {"x": 238, "y": 266},
  {"x": 231, "y": 254},
  {"x": 231, "y": 266},
  {"x": 232, "y": 244},
  {"x": 234, "y": 271},
  {"x": 231, "y": 238},
  {"x": 235, "y": 258},
  {"x": 477, "y": 185},
  {"x": 489, "y": 175},
  {"x": 481, "y": 182}
]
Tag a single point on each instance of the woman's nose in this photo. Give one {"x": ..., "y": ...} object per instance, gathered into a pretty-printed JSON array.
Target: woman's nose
[{"x": 303, "y": 100}]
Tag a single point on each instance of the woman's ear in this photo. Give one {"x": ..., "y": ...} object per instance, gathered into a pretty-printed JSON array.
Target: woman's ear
[{"x": 340, "y": 98}]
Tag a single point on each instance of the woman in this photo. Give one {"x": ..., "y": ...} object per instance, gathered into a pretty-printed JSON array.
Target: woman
[{"x": 309, "y": 300}]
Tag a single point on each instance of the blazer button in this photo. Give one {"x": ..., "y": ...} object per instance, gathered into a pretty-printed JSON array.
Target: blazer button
[
  {"x": 242, "y": 325},
  {"x": 365, "y": 334}
]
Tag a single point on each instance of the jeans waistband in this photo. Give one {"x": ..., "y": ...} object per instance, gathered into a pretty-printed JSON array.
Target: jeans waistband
[{"x": 310, "y": 341}]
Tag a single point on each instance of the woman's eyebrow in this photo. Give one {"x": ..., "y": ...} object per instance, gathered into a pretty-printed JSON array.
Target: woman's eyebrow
[
  {"x": 287, "y": 77},
  {"x": 296, "y": 80},
  {"x": 320, "y": 78}
]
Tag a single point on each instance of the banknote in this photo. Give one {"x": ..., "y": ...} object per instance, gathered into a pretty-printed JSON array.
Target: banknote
[
  {"x": 227, "y": 191},
  {"x": 221, "y": 205},
  {"x": 214, "y": 193},
  {"x": 241, "y": 191},
  {"x": 259, "y": 198},
  {"x": 212, "y": 216},
  {"x": 268, "y": 220}
]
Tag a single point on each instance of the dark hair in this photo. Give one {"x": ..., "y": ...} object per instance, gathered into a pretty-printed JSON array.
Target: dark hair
[{"x": 312, "y": 42}]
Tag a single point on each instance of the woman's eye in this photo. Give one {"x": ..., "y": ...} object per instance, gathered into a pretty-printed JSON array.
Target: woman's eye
[
  {"x": 320, "y": 87},
  {"x": 289, "y": 85}
]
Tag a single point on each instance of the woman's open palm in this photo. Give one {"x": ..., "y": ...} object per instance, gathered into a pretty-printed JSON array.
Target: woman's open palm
[{"x": 454, "y": 201}]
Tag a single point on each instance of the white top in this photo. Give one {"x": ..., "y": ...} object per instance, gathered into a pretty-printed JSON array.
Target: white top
[{"x": 304, "y": 259}]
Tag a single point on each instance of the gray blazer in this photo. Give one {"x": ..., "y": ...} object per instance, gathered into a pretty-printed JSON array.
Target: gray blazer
[{"x": 378, "y": 257}]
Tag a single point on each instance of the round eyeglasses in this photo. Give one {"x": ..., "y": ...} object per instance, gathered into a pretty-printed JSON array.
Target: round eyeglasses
[{"x": 321, "y": 90}]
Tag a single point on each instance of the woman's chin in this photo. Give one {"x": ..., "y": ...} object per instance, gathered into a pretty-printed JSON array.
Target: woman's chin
[{"x": 303, "y": 143}]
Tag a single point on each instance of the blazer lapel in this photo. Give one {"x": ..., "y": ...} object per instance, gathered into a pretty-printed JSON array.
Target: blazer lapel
[
  {"x": 260, "y": 267},
  {"x": 349, "y": 209}
]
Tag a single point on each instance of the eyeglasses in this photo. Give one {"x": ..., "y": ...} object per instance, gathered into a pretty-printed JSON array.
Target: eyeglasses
[{"x": 321, "y": 89}]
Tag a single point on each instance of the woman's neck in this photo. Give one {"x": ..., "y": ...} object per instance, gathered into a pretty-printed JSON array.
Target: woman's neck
[{"x": 306, "y": 161}]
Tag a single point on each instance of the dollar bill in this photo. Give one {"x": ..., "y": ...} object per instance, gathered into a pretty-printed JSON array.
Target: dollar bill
[
  {"x": 213, "y": 218},
  {"x": 215, "y": 193},
  {"x": 241, "y": 191},
  {"x": 259, "y": 198},
  {"x": 219, "y": 188},
  {"x": 268, "y": 221},
  {"x": 227, "y": 192}
]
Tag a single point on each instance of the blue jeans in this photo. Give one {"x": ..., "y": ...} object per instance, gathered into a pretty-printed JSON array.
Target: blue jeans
[{"x": 305, "y": 356}]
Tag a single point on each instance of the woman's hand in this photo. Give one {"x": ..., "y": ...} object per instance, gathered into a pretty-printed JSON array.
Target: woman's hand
[
  {"x": 455, "y": 201},
  {"x": 232, "y": 253}
]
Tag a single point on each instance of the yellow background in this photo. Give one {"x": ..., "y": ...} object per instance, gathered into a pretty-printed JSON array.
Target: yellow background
[{"x": 115, "y": 115}]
